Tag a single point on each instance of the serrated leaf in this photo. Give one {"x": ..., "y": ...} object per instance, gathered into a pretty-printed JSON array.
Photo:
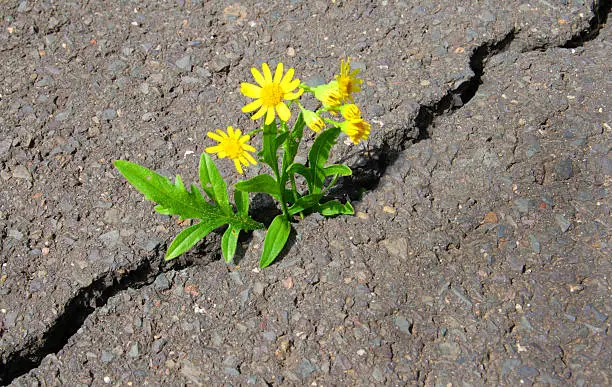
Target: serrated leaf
[
  {"x": 334, "y": 207},
  {"x": 172, "y": 199},
  {"x": 213, "y": 184},
  {"x": 241, "y": 198},
  {"x": 187, "y": 238},
  {"x": 260, "y": 183},
  {"x": 229, "y": 242},
  {"x": 337, "y": 169},
  {"x": 318, "y": 155},
  {"x": 304, "y": 203},
  {"x": 275, "y": 240}
]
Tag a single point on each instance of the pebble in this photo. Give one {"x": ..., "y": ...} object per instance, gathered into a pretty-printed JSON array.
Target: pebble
[
  {"x": 148, "y": 116},
  {"x": 117, "y": 66},
  {"x": 563, "y": 223},
  {"x": 110, "y": 239},
  {"x": 534, "y": 243},
  {"x": 21, "y": 172},
  {"x": 184, "y": 63},
  {"x": 403, "y": 325},
  {"x": 107, "y": 357},
  {"x": 15, "y": 234},
  {"x": 563, "y": 169},
  {"x": 109, "y": 114},
  {"x": 158, "y": 345},
  {"x": 235, "y": 276},
  {"x": 134, "y": 351},
  {"x": 305, "y": 368},
  {"x": 161, "y": 282}
]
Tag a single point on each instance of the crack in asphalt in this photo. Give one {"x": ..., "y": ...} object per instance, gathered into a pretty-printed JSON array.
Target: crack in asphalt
[{"x": 142, "y": 274}]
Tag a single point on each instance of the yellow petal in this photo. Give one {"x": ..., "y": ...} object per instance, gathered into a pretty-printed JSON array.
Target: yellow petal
[
  {"x": 287, "y": 77},
  {"x": 214, "y": 136},
  {"x": 230, "y": 132},
  {"x": 250, "y": 90},
  {"x": 266, "y": 72},
  {"x": 238, "y": 167},
  {"x": 250, "y": 158},
  {"x": 213, "y": 149},
  {"x": 248, "y": 148},
  {"x": 252, "y": 106},
  {"x": 290, "y": 86},
  {"x": 283, "y": 112},
  {"x": 292, "y": 96},
  {"x": 237, "y": 134},
  {"x": 278, "y": 74},
  {"x": 270, "y": 115},
  {"x": 257, "y": 75},
  {"x": 222, "y": 133},
  {"x": 259, "y": 114}
]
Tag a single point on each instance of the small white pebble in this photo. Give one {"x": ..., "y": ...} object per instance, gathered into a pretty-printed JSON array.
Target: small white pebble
[
  {"x": 107, "y": 380},
  {"x": 361, "y": 352}
]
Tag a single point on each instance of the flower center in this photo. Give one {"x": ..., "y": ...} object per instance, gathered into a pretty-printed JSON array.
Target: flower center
[
  {"x": 233, "y": 148},
  {"x": 271, "y": 94}
]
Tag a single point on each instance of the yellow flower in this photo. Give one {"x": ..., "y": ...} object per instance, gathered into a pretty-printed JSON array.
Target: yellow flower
[
  {"x": 350, "y": 112},
  {"x": 357, "y": 130},
  {"x": 232, "y": 145},
  {"x": 329, "y": 95},
  {"x": 348, "y": 83},
  {"x": 313, "y": 120},
  {"x": 270, "y": 93}
]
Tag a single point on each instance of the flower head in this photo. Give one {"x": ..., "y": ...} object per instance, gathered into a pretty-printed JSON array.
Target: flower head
[
  {"x": 313, "y": 120},
  {"x": 357, "y": 130},
  {"x": 329, "y": 95},
  {"x": 270, "y": 93},
  {"x": 350, "y": 112},
  {"x": 232, "y": 145},
  {"x": 348, "y": 83}
]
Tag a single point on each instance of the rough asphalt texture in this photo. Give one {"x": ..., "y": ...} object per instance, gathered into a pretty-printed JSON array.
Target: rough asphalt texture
[{"x": 479, "y": 253}]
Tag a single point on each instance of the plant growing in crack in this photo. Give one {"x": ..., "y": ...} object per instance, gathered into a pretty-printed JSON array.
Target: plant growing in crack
[{"x": 273, "y": 97}]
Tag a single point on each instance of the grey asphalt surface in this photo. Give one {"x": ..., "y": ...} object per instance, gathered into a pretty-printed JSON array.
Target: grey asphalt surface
[{"x": 479, "y": 253}]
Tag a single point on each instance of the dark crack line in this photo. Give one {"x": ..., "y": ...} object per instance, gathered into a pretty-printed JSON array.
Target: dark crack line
[{"x": 97, "y": 294}]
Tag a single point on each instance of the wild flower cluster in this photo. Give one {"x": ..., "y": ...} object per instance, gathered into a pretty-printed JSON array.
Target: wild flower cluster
[{"x": 272, "y": 96}]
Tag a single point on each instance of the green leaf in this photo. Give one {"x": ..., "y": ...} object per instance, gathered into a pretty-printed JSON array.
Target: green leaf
[
  {"x": 292, "y": 144},
  {"x": 187, "y": 238},
  {"x": 270, "y": 146},
  {"x": 300, "y": 169},
  {"x": 298, "y": 128},
  {"x": 172, "y": 199},
  {"x": 318, "y": 155},
  {"x": 229, "y": 241},
  {"x": 260, "y": 183},
  {"x": 241, "y": 198},
  {"x": 213, "y": 184},
  {"x": 334, "y": 207},
  {"x": 337, "y": 169},
  {"x": 304, "y": 203},
  {"x": 275, "y": 240}
]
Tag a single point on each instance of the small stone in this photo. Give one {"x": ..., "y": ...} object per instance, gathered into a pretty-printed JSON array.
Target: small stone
[
  {"x": 107, "y": 380},
  {"x": 378, "y": 375},
  {"x": 184, "y": 63},
  {"x": 563, "y": 169},
  {"x": 148, "y": 116},
  {"x": 107, "y": 357},
  {"x": 231, "y": 371},
  {"x": 144, "y": 88},
  {"x": 403, "y": 325},
  {"x": 15, "y": 234},
  {"x": 305, "y": 368},
  {"x": 288, "y": 283},
  {"x": 424, "y": 82},
  {"x": 534, "y": 243},
  {"x": 110, "y": 239},
  {"x": 258, "y": 288},
  {"x": 161, "y": 282},
  {"x": 109, "y": 114},
  {"x": 21, "y": 172},
  {"x": 290, "y": 51},
  {"x": 235, "y": 276},
  {"x": 490, "y": 217},
  {"x": 158, "y": 345},
  {"x": 220, "y": 64},
  {"x": 134, "y": 351},
  {"x": 5, "y": 146},
  {"x": 563, "y": 223}
]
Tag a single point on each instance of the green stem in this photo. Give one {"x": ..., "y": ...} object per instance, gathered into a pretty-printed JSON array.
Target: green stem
[{"x": 333, "y": 182}]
